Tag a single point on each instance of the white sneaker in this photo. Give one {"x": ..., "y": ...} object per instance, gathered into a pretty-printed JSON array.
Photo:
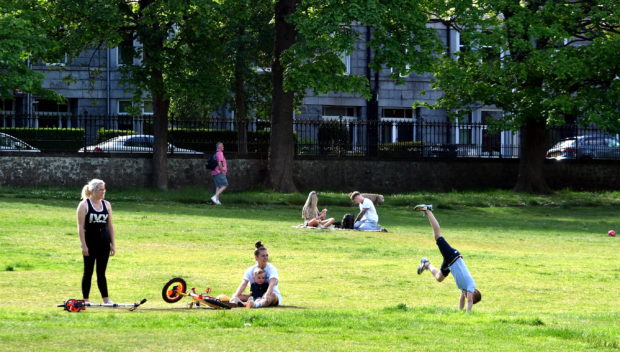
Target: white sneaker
[
  {"x": 214, "y": 200},
  {"x": 218, "y": 203}
]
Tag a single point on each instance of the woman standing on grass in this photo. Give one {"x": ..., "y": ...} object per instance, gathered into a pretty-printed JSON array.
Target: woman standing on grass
[
  {"x": 94, "y": 219},
  {"x": 310, "y": 213},
  {"x": 272, "y": 296}
]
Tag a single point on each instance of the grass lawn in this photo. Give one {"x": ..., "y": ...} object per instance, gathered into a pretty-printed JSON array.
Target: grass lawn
[{"x": 548, "y": 272}]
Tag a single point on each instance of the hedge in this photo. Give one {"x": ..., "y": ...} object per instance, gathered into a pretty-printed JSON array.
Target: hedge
[
  {"x": 401, "y": 149},
  {"x": 105, "y": 134},
  {"x": 49, "y": 139}
]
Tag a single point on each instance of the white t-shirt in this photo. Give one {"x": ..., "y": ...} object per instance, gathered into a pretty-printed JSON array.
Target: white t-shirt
[
  {"x": 371, "y": 214},
  {"x": 270, "y": 273}
]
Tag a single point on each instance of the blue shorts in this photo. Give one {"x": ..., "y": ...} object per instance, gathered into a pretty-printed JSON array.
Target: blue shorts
[{"x": 220, "y": 180}]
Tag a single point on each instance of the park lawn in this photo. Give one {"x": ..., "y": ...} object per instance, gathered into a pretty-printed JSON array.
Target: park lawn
[{"x": 549, "y": 278}]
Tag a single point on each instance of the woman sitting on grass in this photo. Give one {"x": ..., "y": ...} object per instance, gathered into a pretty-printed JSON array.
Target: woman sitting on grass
[
  {"x": 272, "y": 296},
  {"x": 310, "y": 213}
]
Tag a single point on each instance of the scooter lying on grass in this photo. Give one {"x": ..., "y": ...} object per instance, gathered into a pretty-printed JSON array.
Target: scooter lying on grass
[
  {"x": 77, "y": 305},
  {"x": 175, "y": 289}
]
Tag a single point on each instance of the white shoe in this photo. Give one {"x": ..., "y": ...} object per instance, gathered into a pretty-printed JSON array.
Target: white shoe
[
  {"x": 218, "y": 203},
  {"x": 214, "y": 200}
]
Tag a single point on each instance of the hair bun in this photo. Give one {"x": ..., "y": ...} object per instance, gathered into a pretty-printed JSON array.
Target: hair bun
[{"x": 258, "y": 245}]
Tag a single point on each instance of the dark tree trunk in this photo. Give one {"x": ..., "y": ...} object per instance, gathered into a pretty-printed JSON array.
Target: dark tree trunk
[
  {"x": 160, "y": 132},
  {"x": 531, "y": 178},
  {"x": 282, "y": 144},
  {"x": 153, "y": 38}
]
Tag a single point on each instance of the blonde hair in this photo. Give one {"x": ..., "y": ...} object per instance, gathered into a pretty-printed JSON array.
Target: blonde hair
[
  {"x": 257, "y": 271},
  {"x": 90, "y": 187},
  {"x": 310, "y": 210}
]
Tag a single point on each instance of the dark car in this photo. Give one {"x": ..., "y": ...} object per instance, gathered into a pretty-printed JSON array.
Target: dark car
[{"x": 586, "y": 147}]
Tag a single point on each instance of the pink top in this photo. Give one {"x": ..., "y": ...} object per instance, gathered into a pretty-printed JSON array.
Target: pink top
[{"x": 219, "y": 155}]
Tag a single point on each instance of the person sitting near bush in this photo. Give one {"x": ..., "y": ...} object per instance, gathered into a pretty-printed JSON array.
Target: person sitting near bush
[{"x": 311, "y": 215}]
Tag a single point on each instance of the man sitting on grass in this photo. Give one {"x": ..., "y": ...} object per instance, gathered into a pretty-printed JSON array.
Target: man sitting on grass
[
  {"x": 452, "y": 262},
  {"x": 367, "y": 219}
]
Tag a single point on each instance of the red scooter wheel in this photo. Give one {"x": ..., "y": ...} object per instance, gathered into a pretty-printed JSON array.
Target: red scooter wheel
[{"x": 172, "y": 289}]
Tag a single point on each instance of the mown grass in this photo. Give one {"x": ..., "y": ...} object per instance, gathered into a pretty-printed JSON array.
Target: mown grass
[{"x": 549, "y": 274}]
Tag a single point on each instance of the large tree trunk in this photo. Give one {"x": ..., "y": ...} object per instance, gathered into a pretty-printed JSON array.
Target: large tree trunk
[
  {"x": 531, "y": 178},
  {"x": 282, "y": 144},
  {"x": 160, "y": 131}
]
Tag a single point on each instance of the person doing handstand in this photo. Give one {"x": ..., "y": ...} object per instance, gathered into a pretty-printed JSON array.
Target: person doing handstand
[{"x": 452, "y": 263}]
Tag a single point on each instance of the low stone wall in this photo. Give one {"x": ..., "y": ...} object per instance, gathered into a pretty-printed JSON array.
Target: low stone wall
[{"x": 331, "y": 174}]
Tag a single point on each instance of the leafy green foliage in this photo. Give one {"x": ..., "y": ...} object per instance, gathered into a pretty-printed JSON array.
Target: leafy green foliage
[
  {"x": 554, "y": 61},
  {"x": 329, "y": 30},
  {"x": 22, "y": 40}
]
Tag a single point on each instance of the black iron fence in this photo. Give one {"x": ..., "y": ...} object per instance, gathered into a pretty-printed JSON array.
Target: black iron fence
[{"x": 335, "y": 137}]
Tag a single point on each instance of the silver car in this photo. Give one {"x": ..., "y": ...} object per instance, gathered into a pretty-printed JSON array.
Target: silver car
[
  {"x": 140, "y": 143},
  {"x": 9, "y": 143},
  {"x": 586, "y": 147}
]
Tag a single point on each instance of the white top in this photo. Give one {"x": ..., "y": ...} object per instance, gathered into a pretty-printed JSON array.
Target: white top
[
  {"x": 371, "y": 214},
  {"x": 270, "y": 273}
]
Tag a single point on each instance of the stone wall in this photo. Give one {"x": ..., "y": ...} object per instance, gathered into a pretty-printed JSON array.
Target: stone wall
[{"x": 332, "y": 174}]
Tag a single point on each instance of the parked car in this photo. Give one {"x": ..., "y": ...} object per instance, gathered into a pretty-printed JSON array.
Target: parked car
[
  {"x": 9, "y": 143},
  {"x": 133, "y": 144},
  {"x": 586, "y": 147}
]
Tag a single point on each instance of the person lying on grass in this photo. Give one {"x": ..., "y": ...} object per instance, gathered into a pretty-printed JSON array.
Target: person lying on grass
[
  {"x": 272, "y": 296},
  {"x": 452, "y": 263},
  {"x": 311, "y": 215}
]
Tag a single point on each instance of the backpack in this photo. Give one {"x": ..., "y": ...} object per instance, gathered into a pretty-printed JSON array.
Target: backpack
[
  {"x": 212, "y": 162},
  {"x": 347, "y": 221}
]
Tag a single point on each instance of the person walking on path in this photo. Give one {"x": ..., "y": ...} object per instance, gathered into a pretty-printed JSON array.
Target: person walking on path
[
  {"x": 219, "y": 173},
  {"x": 94, "y": 220}
]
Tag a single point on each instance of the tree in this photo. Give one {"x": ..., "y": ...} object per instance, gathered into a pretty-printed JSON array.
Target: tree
[
  {"x": 539, "y": 61},
  {"x": 173, "y": 38},
  {"x": 22, "y": 38},
  {"x": 247, "y": 35},
  {"x": 311, "y": 36}
]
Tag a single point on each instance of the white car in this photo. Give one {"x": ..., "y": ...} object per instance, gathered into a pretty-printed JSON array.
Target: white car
[
  {"x": 139, "y": 143},
  {"x": 9, "y": 143}
]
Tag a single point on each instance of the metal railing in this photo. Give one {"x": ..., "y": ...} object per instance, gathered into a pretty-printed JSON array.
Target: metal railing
[{"x": 334, "y": 137}]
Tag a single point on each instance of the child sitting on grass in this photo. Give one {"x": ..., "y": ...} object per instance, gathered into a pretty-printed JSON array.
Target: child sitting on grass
[{"x": 257, "y": 289}]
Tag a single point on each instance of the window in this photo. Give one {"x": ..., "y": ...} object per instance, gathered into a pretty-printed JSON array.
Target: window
[
  {"x": 63, "y": 61},
  {"x": 340, "y": 111},
  {"x": 125, "y": 53},
  {"x": 346, "y": 60},
  {"x": 147, "y": 107},
  {"x": 6, "y": 105},
  {"x": 124, "y": 107},
  {"x": 402, "y": 113}
]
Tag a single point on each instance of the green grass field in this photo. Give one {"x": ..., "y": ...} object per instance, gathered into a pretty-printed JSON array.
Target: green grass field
[{"x": 548, "y": 272}]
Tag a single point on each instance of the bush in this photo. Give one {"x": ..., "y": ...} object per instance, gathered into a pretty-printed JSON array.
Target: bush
[
  {"x": 204, "y": 140},
  {"x": 49, "y": 139},
  {"x": 401, "y": 149},
  {"x": 334, "y": 138},
  {"x": 104, "y": 134}
]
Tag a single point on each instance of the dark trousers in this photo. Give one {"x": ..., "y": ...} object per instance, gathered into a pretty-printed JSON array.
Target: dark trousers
[{"x": 100, "y": 258}]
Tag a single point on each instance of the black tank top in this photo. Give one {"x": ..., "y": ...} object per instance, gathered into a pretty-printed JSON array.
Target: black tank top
[{"x": 96, "y": 223}]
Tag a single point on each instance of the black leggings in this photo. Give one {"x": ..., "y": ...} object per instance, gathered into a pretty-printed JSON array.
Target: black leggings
[{"x": 100, "y": 257}]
